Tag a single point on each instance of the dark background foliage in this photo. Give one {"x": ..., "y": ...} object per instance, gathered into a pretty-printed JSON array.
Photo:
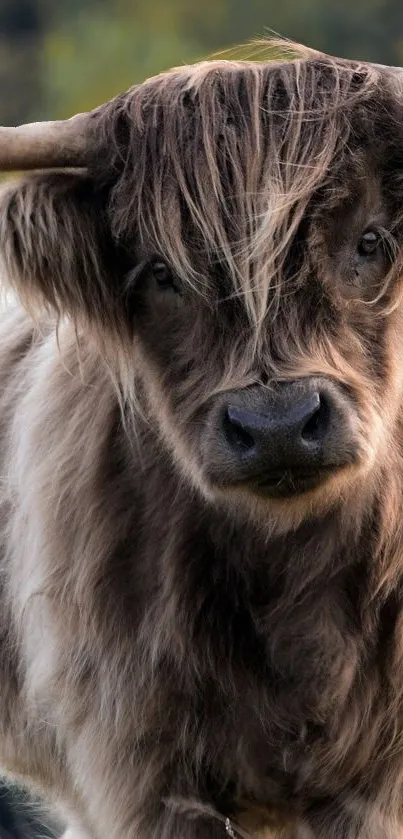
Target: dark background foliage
[{"x": 60, "y": 57}]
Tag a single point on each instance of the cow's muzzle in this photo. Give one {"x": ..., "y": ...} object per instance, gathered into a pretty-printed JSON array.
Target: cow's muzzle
[{"x": 284, "y": 440}]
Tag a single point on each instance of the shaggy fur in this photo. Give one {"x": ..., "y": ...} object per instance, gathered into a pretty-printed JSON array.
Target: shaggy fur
[{"x": 176, "y": 650}]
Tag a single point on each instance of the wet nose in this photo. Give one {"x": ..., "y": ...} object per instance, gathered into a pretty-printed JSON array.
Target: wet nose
[{"x": 290, "y": 434}]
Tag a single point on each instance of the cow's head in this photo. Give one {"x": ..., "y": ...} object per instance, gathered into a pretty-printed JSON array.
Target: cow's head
[{"x": 234, "y": 243}]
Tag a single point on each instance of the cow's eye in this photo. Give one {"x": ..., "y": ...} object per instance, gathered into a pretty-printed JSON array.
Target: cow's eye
[
  {"x": 369, "y": 243},
  {"x": 163, "y": 275}
]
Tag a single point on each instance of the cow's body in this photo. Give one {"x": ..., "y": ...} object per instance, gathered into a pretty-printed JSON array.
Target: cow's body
[
  {"x": 99, "y": 650},
  {"x": 201, "y": 574}
]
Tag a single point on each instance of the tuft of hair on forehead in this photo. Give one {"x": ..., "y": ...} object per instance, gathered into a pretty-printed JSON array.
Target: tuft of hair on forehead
[{"x": 214, "y": 164}]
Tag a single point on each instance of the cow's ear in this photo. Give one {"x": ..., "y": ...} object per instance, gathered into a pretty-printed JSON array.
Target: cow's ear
[{"x": 56, "y": 248}]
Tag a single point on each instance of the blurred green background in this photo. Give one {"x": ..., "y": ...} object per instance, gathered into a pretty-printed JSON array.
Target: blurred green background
[{"x": 61, "y": 56}]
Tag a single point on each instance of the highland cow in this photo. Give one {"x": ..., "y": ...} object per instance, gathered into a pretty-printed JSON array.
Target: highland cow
[{"x": 201, "y": 420}]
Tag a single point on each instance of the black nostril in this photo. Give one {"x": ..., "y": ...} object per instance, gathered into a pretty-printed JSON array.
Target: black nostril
[
  {"x": 235, "y": 434},
  {"x": 316, "y": 426}
]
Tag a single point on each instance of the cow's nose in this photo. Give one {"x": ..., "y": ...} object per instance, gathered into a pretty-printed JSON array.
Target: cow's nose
[{"x": 290, "y": 436}]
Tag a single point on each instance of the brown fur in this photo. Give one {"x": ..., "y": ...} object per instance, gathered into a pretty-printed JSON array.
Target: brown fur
[{"x": 175, "y": 651}]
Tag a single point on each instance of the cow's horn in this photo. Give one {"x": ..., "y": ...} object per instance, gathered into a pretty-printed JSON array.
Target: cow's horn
[{"x": 47, "y": 145}]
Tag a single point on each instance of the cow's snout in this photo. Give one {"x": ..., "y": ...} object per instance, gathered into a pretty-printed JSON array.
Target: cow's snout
[
  {"x": 286, "y": 439},
  {"x": 288, "y": 435}
]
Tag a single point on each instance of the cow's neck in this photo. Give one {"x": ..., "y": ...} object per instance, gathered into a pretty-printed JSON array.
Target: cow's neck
[{"x": 291, "y": 610}]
